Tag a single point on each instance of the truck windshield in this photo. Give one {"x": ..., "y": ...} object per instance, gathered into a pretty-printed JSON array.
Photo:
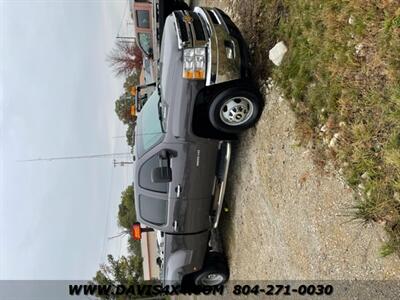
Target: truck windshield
[{"x": 149, "y": 131}]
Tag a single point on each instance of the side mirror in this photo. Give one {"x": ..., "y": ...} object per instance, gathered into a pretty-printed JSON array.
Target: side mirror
[
  {"x": 163, "y": 154},
  {"x": 136, "y": 232},
  {"x": 161, "y": 174},
  {"x": 133, "y": 111},
  {"x": 133, "y": 91}
]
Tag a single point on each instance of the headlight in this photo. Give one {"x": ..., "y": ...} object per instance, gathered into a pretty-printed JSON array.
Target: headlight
[{"x": 194, "y": 63}]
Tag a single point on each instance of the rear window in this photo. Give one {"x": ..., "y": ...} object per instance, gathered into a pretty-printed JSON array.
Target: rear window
[
  {"x": 142, "y": 19},
  {"x": 153, "y": 210}
]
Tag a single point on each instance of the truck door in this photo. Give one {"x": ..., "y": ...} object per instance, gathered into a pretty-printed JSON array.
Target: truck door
[{"x": 166, "y": 186}]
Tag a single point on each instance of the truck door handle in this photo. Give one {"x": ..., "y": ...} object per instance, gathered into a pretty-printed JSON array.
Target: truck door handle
[
  {"x": 175, "y": 225},
  {"x": 178, "y": 190}
]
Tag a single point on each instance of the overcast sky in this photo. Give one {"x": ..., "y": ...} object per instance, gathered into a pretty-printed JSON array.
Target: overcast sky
[{"x": 57, "y": 98}]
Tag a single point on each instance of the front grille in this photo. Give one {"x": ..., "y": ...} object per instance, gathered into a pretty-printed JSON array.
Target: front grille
[
  {"x": 212, "y": 16},
  {"x": 181, "y": 26},
  {"x": 198, "y": 27}
]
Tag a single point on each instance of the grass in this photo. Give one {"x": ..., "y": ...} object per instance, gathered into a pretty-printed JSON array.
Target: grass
[{"x": 342, "y": 73}]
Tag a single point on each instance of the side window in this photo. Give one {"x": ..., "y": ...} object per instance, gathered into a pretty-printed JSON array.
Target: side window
[
  {"x": 145, "y": 41},
  {"x": 143, "y": 19},
  {"x": 146, "y": 175},
  {"x": 153, "y": 210}
]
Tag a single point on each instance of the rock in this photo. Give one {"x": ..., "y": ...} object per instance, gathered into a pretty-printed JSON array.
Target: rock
[
  {"x": 332, "y": 143},
  {"x": 359, "y": 49},
  {"x": 277, "y": 53},
  {"x": 365, "y": 175},
  {"x": 396, "y": 196}
]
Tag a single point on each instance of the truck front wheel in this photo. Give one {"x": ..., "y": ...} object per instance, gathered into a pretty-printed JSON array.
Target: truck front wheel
[{"x": 235, "y": 110}]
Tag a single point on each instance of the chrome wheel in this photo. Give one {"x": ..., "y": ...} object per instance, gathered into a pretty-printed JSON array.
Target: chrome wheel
[
  {"x": 212, "y": 279},
  {"x": 236, "y": 111}
]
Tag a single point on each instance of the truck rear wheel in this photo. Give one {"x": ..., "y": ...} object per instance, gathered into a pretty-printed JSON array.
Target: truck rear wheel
[
  {"x": 235, "y": 110},
  {"x": 215, "y": 271}
]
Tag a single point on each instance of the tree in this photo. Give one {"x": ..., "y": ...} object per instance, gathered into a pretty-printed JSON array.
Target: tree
[
  {"x": 125, "y": 271},
  {"x": 125, "y": 58},
  {"x": 130, "y": 135},
  {"x": 127, "y": 217},
  {"x": 131, "y": 81},
  {"x": 123, "y": 108},
  {"x": 126, "y": 212}
]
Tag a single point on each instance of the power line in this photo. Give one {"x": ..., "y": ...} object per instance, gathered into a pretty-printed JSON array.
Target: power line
[{"x": 74, "y": 157}]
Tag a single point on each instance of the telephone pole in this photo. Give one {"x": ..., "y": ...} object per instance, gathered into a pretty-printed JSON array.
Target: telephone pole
[{"x": 122, "y": 163}]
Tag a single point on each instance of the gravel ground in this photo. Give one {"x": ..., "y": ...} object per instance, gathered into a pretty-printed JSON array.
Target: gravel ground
[{"x": 286, "y": 218}]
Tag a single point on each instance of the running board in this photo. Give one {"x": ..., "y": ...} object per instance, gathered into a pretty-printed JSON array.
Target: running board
[{"x": 221, "y": 185}]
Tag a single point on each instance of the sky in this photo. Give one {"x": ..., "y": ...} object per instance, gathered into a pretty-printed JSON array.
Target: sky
[{"x": 57, "y": 96}]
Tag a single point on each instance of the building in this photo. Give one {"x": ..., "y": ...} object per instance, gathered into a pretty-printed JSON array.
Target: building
[{"x": 149, "y": 252}]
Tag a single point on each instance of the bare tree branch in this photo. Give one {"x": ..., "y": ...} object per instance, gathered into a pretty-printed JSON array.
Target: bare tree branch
[{"x": 125, "y": 58}]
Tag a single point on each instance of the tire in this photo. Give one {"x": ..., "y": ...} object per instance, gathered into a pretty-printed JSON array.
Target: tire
[
  {"x": 215, "y": 271},
  {"x": 235, "y": 110}
]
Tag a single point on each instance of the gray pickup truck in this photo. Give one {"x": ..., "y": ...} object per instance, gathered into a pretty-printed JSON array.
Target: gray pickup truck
[{"x": 204, "y": 97}]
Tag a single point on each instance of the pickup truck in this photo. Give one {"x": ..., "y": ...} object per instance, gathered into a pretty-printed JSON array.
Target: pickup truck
[{"x": 204, "y": 97}]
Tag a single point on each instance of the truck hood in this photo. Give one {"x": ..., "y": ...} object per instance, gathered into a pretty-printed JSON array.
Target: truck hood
[{"x": 177, "y": 93}]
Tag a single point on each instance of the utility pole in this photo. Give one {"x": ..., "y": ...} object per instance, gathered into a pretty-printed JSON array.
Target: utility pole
[
  {"x": 122, "y": 163},
  {"x": 126, "y": 39}
]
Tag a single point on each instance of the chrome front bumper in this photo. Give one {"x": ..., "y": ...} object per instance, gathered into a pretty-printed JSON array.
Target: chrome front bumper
[{"x": 206, "y": 27}]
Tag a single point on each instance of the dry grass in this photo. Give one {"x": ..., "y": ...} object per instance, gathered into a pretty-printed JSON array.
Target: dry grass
[
  {"x": 259, "y": 21},
  {"x": 342, "y": 75}
]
